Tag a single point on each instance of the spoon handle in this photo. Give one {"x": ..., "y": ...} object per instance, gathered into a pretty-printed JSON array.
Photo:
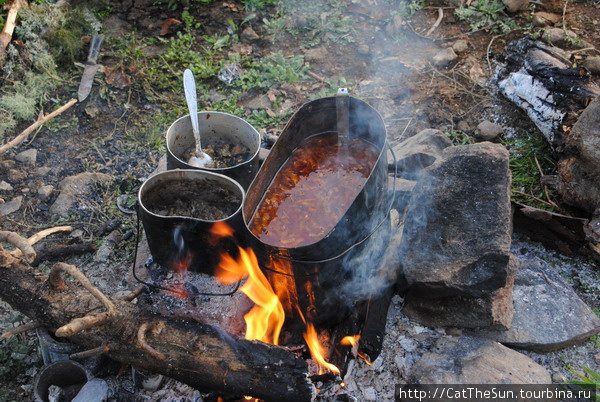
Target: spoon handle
[{"x": 189, "y": 86}]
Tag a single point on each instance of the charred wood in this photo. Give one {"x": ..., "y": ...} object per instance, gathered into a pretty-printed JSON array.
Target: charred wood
[
  {"x": 203, "y": 356},
  {"x": 49, "y": 251},
  {"x": 540, "y": 80}
]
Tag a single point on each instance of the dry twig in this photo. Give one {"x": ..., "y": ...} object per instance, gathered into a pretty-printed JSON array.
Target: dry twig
[
  {"x": 91, "y": 352},
  {"x": 21, "y": 137},
  {"x": 141, "y": 337},
  {"x": 89, "y": 321},
  {"x": 42, "y": 235},
  {"x": 539, "y": 167},
  {"x": 11, "y": 22},
  {"x": 20, "y": 243},
  {"x": 437, "y": 22},
  {"x": 20, "y": 329}
]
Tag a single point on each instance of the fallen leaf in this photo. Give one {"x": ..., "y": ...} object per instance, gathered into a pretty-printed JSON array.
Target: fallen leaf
[
  {"x": 169, "y": 26},
  {"x": 117, "y": 77}
]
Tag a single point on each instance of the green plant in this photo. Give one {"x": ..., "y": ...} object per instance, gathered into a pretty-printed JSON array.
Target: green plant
[
  {"x": 487, "y": 14},
  {"x": 589, "y": 379},
  {"x": 253, "y": 5},
  {"x": 273, "y": 70},
  {"x": 459, "y": 138},
  {"x": 596, "y": 340},
  {"x": 529, "y": 159}
]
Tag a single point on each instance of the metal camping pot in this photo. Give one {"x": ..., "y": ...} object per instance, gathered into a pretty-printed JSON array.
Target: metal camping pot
[
  {"x": 319, "y": 269},
  {"x": 183, "y": 240},
  {"x": 215, "y": 127}
]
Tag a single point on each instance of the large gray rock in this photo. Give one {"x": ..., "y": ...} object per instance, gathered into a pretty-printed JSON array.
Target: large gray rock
[
  {"x": 457, "y": 233},
  {"x": 74, "y": 187},
  {"x": 471, "y": 360},
  {"x": 419, "y": 151},
  {"x": 579, "y": 169},
  {"x": 548, "y": 315},
  {"x": 494, "y": 310}
]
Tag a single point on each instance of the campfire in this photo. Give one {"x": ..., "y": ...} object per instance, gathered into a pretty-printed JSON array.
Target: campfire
[{"x": 281, "y": 276}]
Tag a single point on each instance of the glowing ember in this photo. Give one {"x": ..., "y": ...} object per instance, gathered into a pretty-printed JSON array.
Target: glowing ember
[
  {"x": 353, "y": 341},
  {"x": 316, "y": 350},
  {"x": 265, "y": 319}
]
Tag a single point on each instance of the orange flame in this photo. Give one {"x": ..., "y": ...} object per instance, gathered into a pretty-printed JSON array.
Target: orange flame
[
  {"x": 316, "y": 350},
  {"x": 221, "y": 229},
  {"x": 353, "y": 341},
  {"x": 265, "y": 319},
  {"x": 350, "y": 340}
]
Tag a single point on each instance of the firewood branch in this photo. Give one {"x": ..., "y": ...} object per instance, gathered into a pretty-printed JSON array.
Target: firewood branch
[
  {"x": 89, "y": 321},
  {"x": 21, "y": 137},
  {"x": 141, "y": 337},
  {"x": 20, "y": 329},
  {"x": 207, "y": 359},
  {"x": 42, "y": 235},
  {"x": 11, "y": 22},
  {"x": 20, "y": 243}
]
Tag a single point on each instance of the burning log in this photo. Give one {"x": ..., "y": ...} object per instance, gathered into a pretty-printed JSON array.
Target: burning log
[{"x": 203, "y": 356}]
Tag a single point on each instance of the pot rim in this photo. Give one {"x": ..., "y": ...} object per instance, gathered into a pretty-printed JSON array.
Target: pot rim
[
  {"x": 254, "y": 155},
  {"x": 187, "y": 172}
]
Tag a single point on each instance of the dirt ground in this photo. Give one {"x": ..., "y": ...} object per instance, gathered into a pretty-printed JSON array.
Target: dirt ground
[{"x": 115, "y": 130}]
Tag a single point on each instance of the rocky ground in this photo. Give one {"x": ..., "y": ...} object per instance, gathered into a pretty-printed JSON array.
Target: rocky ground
[{"x": 420, "y": 67}]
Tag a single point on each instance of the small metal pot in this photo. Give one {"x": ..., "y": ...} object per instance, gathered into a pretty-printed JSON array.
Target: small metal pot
[
  {"x": 215, "y": 126},
  {"x": 66, "y": 374},
  {"x": 176, "y": 239}
]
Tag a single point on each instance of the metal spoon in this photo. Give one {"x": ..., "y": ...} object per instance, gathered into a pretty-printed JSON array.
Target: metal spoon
[{"x": 200, "y": 158}]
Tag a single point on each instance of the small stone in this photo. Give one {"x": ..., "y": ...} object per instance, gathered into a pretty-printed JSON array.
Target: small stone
[
  {"x": 369, "y": 393},
  {"x": 4, "y": 186},
  {"x": 364, "y": 49},
  {"x": 45, "y": 191},
  {"x": 597, "y": 358},
  {"x": 74, "y": 188},
  {"x": 563, "y": 38},
  {"x": 7, "y": 164},
  {"x": 250, "y": 34},
  {"x": 542, "y": 19},
  {"x": 77, "y": 233},
  {"x": 92, "y": 109},
  {"x": 487, "y": 131},
  {"x": 444, "y": 57},
  {"x": 558, "y": 377},
  {"x": 16, "y": 175},
  {"x": 316, "y": 54},
  {"x": 27, "y": 157},
  {"x": 516, "y": 5},
  {"x": 42, "y": 171},
  {"x": 460, "y": 46},
  {"x": 592, "y": 64},
  {"x": 11, "y": 206},
  {"x": 463, "y": 126},
  {"x": 454, "y": 331}
]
